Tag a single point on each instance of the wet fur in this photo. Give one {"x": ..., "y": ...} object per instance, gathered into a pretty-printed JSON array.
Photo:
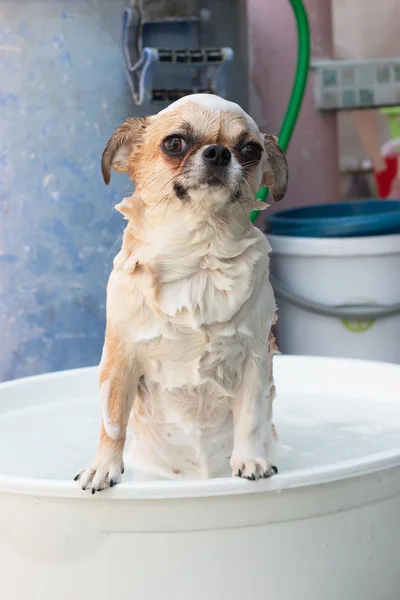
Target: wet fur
[{"x": 188, "y": 347}]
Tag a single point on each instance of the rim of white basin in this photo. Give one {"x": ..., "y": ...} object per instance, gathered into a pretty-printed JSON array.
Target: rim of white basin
[{"x": 159, "y": 490}]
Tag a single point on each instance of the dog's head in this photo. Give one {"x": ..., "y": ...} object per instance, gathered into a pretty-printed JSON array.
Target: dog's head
[{"x": 201, "y": 149}]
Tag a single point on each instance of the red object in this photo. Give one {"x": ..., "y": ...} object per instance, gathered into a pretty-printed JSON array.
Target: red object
[
  {"x": 395, "y": 189},
  {"x": 385, "y": 178}
]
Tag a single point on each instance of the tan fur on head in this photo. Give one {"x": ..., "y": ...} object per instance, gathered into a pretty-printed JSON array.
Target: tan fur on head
[
  {"x": 188, "y": 349},
  {"x": 136, "y": 148}
]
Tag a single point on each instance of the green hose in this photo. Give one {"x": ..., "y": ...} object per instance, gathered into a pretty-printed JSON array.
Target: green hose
[{"x": 298, "y": 90}]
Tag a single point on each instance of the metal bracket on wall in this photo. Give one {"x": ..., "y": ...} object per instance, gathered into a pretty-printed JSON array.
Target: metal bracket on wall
[
  {"x": 356, "y": 84},
  {"x": 150, "y": 66}
]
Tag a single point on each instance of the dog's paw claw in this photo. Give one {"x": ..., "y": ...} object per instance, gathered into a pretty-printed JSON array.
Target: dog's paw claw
[
  {"x": 272, "y": 471},
  {"x": 253, "y": 469},
  {"x": 99, "y": 476}
]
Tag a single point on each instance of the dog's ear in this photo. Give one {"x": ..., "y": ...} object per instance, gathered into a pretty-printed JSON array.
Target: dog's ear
[
  {"x": 120, "y": 146},
  {"x": 276, "y": 172}
]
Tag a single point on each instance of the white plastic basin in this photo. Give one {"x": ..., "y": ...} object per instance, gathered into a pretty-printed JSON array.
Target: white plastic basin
[{"x": 328, "y": 526}]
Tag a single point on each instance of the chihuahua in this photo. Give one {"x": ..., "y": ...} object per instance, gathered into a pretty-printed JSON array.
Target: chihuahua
[{"x": 187, "y": 358}]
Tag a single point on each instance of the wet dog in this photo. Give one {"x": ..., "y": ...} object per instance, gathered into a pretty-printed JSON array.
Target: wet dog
[{"x": 188, "y": 349}]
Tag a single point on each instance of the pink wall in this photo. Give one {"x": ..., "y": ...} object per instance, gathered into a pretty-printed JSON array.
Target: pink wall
[{"x": 313, "y": 151}]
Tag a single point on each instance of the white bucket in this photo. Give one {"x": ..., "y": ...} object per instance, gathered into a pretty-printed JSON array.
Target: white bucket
[
  {"x": 327, "y": 526},
  {"x": 338, "y": 297}
]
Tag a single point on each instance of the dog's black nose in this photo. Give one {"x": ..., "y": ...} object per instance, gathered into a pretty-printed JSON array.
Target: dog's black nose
[{"x": 217, "y": 155}]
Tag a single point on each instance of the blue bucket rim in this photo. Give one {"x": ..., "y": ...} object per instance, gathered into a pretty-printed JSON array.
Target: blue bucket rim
[{"x": 289, "y": 215}]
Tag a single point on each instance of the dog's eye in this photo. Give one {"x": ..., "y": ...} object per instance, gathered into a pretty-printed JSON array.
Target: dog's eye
[
  {"x": 174, "y": 144},
  {"x": 250, "y": 153}
]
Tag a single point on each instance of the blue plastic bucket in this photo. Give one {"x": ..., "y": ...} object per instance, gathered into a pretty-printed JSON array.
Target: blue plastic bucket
[
  {"x": 345, "y": 219},
  {"x": 335, "y": 272}
]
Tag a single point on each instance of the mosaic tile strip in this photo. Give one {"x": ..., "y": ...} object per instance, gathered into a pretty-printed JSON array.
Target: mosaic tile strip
[{"x": 346, "y": 85}]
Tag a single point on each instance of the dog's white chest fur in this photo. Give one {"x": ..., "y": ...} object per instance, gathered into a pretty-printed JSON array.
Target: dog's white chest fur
[{"x": 212, "y": 317}]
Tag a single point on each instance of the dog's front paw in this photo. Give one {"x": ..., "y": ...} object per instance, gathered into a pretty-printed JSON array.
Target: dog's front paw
[
  {"x": 103, "y": 473},
  {"x": 253, "y": 469}
]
